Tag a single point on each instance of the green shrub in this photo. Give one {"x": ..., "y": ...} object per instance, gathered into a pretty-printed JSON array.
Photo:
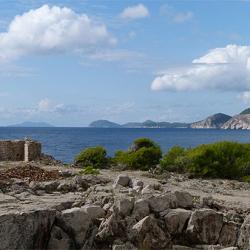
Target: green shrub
[
  {"x": 143, "y": 143},
  {"x": 218, "y": 160},
  {"x": 95, "y": 157},
  {"x": 89, "y": 170},
  {"x": 246, "y": 178},
  {"x": 174, "y": 160},
  {"x": 144, "y": 154}
]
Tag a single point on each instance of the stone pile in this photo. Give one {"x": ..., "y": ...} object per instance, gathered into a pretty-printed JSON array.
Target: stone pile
[
  {"x": 127, "y": 214},
  {"x": 33, "y": 173}
]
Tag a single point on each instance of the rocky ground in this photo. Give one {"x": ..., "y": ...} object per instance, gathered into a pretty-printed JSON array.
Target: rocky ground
[{"x": 54, "y": 207}]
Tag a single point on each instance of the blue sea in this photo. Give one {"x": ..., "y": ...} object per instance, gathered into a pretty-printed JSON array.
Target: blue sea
[{"x": 65, "y": 143}]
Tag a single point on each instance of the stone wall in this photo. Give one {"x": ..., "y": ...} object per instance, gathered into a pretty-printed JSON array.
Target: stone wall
[
  {"x": 19, "y": 150},
  {"x": 32, "y": 150}
]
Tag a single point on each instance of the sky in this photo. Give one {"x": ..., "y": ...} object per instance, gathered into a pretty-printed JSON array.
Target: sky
[{"x": 70, "y": 62}]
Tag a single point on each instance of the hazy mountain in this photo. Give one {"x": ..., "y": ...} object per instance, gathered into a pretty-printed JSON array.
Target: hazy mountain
[
  {"x": 213, "y": 121},
  {"x": 146, "y": 124},
  {"x": 104, "y": 124},
  {"x": 132, "y": 125},
  {"x": 32, "y": 124}
]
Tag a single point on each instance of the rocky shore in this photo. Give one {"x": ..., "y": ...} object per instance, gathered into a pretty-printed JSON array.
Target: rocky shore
[{"x": 120, "y": 210}]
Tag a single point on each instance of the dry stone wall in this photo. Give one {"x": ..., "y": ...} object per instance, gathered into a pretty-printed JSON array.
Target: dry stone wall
[{"x": 19, "y": 150}]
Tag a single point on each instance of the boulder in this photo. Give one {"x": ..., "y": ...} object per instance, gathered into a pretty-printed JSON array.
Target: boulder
[
  {"x": 244, "y": 237},
  {"x": 27, "y": 230},
  {"x": 80, "y": 182},
  {"x": 126, "y": 246},
  {"x": 66, "y": 186},
  {"x": 94, "y": 211},
  {"x": 176, "y": 220},
  {"x": 111, "y": 228},
  {"x": 150, "y": 236},
  {"x": 124, "y": 206},
  {"x": 183, "y": 199},
  {"x": 141, "y": 209},
  {"x": 47, "y": 186},
  {"x": 137, "y": 184},
  {"x": 75, "y": 222},
  {"x": 229, "y": 234},
  {"x": 59, "y": 240},
  {"x": 204, "y": 226},
  {"x": 122, "y": 180},
  {"x": 162, "y": 202}
]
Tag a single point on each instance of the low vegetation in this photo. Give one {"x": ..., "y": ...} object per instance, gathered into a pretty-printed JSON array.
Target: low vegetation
[
  {"x": 142, "y": 155},
  {"x": 218, "y": 160},
  {"x": 95, "y": 157},
  {"x": 90, "y": 170},
  {"x": 229, "y": 160}
]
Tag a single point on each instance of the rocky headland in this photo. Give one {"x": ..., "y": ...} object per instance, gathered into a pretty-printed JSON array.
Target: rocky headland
[
  {"x": 55, "y": 207},
  {"x": 215, "y": 121}
]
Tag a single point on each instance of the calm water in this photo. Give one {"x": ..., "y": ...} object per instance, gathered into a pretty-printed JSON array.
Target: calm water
[{"x": 65, "y": 143}]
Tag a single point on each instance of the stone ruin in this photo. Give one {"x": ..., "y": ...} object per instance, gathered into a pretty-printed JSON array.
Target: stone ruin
[{"x": 20, "y": 150}]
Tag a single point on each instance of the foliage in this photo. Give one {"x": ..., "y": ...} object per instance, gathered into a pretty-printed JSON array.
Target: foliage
[
  {"x": 174, "y": 160},
  {"x": 143, "y": 143},
  {"x": 95, "y": 157},
  {"x": 218, "y": 160},
  {"x": 246, "y": 178},
  {"x": 90, "y": 170},
  {"x": 143, "y": 155}
]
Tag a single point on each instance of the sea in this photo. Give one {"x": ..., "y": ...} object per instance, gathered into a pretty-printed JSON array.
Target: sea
[{"x": 65, "y": 143}]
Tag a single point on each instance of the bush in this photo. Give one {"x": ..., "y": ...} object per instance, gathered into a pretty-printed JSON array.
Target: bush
[
  {"x": 95, "y": 157},
  {"x": 90, "y": 170},
  {"x": 143, "y": 143},
  {"x": 174, "y": 160},
  {"x": 143, "y": 155},
  {"x": 218, "y": 160}
]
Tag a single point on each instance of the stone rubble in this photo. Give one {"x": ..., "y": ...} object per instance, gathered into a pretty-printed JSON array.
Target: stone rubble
[{"x": 94, "y": 212}]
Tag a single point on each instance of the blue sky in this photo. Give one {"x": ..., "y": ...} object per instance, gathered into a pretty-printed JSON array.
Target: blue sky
[{"x": 72, "y": 62}]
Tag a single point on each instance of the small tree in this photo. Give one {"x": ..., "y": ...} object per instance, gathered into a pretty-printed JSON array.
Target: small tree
[
  {"x": 143, "y": 154},
  {"x": 143, "y": 143},
  {"x": 95, "y": 157}
]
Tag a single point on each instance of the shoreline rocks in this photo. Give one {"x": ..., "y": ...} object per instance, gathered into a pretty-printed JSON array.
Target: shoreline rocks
[{"x": 93, "y": 212}]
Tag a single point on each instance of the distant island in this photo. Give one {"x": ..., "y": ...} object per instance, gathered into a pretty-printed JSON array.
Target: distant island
[
  {"x": 216, "y": 121},
  {"x": 146, "y": 124},
  {"x": 32, "y": 125}
]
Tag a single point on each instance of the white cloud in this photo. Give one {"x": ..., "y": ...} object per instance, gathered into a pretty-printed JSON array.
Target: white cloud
[
  {"x": 182, "y": 17},
  {"x": 175, "y": 16},
  {"x": 47, "y": 105},
  {"x": 245, "y": 97},
  {"x": 116, "y": 55},
  {"x": 135, "y": 12},
  {"x": 226, "y": 69},
  {"x": 51, "y": 30}
]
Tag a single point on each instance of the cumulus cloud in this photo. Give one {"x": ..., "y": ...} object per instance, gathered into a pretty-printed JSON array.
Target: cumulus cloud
[
  {"x": 226, "y": 69},
  {"x": 51, "y": 30},
  {"x": 135, "y": 12}
]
